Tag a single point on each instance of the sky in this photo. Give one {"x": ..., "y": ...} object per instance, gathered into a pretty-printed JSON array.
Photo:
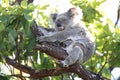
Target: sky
[
  {"x": 110, "y": 7},
  {"x": 62, "y": 5}
]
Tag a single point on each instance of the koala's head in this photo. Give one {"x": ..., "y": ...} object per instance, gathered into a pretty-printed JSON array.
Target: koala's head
[{"x": 67, "y": 19}]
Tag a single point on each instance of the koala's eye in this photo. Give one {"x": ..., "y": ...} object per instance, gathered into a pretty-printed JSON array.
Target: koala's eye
[
  {"x": 61, "y": 20},
  {"x": 64, "y": 19}
]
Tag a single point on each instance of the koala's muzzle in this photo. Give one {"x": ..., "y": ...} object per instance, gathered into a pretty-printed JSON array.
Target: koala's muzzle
[{"x": 59, "y": 26}]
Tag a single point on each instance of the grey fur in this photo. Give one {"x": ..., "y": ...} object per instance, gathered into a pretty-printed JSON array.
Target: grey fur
[{"x": 68, "y": 26}]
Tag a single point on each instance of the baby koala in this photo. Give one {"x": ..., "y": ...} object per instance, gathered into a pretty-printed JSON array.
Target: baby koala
[{"x": 70, "y": 30}]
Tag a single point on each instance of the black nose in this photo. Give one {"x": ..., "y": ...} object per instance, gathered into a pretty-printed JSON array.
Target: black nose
[{"x": 58, "y": 24}]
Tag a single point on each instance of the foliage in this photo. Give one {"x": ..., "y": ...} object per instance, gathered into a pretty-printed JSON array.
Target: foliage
[
  {"x": 4, "y": 77},
  {"x": 107, "y": 37},
  {"x": 16, "y": 36}
]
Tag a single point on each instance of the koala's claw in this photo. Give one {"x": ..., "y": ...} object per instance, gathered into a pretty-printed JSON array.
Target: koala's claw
[
  {"x": 62, "y": 63},
  {"x": 40, "y": 39}
]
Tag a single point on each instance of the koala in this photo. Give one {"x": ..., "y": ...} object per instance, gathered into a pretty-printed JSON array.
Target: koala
[{"x": 70, "y": 30}]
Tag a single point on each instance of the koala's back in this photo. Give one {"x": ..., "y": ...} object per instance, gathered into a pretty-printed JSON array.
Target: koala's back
[
  {"x": 85, "y": 40},
  {"x": 81, "y": 37}
]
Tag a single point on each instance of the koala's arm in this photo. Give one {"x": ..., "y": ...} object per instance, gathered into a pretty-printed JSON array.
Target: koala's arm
[
  {"x": 46, "y": 31},
  {"x": 59, "y": 36}
]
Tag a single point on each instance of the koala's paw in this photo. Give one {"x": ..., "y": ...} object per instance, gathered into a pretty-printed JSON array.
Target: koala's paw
[
  {"x": 62, "y": 63},
  {"x": 40, "y": 39}
]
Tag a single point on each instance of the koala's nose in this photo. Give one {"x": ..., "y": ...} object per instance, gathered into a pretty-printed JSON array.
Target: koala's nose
[{"x": 58, "y": 24}]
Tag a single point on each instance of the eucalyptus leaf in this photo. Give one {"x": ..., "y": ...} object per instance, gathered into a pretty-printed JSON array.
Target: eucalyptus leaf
[
  {"x": 24, "y": 4},
  {"x": 12, "y": 36},
  {"x": 2, "y": 27}
]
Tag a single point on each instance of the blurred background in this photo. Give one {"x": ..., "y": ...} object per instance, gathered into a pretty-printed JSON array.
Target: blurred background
[{"x": 16, "y": 37}]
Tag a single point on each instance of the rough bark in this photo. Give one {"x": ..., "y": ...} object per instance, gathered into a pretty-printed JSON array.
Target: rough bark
[
  {"x": 55, "y": 51},
  {"x": 75, "y": 68}
]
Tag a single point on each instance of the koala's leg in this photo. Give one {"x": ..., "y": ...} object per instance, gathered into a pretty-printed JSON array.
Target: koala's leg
[{"x": 76, "y": 54}]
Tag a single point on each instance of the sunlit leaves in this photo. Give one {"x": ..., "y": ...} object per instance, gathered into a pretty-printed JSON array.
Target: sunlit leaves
[
  {"x": 24, "y": 4},
  {"x": 16, "y": 36},
  {"x": 107, "y": 36},
  {"x": 11, "y": 18},
  {"x": 41, "y": 15},
  {"x": 89, "y": 8},
  {"x": 117, "y": 34},
  {"x": 27, "y": 10}
]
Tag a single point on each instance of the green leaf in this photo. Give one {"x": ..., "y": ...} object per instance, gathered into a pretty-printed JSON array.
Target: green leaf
[
  {"x": 2, "y": 27},
  {"x": 26, "y": 25},
  {"x": 31, "y": 43},
  {"x": 11, "y": 19},
  {"x": 31, "y": 6},
  {"x": 11, "y": 36},
  {"x": 24, "y": 4},
  {"x": 28, "y": 16},
  {"x": 3, "y": 78},
  {"x": 44, "y": 7}
]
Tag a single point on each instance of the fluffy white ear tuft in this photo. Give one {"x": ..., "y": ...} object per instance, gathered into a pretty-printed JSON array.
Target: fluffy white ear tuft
[{"x": 75, "y": 11}]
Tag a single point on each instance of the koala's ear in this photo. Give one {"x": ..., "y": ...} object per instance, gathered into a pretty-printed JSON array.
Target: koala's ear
[
  {"x": 74, "y": 11},
  {"x": 53, "y": 16}
]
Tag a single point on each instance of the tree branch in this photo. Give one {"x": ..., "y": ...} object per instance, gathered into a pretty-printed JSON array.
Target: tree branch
[
  {"x": 75, "y": 68},
  {"x": 55, "y": 51},
  {"x": 50, "y": 48}
]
